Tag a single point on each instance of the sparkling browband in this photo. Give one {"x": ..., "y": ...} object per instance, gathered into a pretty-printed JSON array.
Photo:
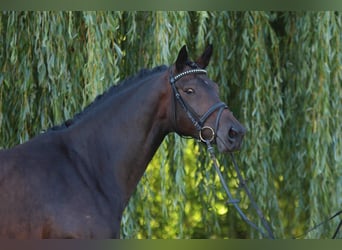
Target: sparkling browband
[{"x": 188, "y": 72}]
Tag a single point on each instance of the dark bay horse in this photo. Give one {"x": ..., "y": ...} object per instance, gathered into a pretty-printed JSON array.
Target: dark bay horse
[{"x": 75, "y": 180}]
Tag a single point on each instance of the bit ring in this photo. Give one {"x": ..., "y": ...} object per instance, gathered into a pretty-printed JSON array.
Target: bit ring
[{"x": 212, "y": 134}]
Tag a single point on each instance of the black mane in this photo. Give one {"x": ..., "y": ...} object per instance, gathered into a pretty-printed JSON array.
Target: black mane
[{"x": 143, "y": 73}]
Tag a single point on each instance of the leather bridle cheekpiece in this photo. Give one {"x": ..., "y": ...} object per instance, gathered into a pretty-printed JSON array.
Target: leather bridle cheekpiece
[{"x": 197, "y": 120}]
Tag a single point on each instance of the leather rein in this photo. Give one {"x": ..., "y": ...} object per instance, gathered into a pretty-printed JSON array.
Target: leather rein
[{"x": 198, "y": 122}]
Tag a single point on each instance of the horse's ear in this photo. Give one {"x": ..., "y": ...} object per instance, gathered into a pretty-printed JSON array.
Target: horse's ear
[
  {"x": 204, "y": 59},
  {"x": 181, "y": 59}
]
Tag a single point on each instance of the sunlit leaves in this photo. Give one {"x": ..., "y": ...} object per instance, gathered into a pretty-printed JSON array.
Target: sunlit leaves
[{"x": 279, "y": 72}]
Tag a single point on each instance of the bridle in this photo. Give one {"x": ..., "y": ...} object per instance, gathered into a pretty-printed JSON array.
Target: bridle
[{"x": 197, "y": 120}]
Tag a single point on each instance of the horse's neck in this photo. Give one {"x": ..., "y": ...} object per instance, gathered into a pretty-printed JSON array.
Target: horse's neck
[{"x": 121, "y": 137}]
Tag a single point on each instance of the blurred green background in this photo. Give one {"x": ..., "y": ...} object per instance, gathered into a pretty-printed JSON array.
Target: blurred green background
[{"x": 279, "y": 72}]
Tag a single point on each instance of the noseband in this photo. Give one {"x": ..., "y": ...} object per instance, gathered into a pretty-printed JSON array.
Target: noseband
[{"x": 197, "y": 120}]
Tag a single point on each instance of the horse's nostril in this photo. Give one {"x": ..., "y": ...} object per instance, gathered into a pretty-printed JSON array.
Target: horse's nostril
[{"x": 232, "y": 134}]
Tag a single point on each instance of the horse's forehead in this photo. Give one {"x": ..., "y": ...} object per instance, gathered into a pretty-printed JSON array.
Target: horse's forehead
[{"x": 208, "y": 82}]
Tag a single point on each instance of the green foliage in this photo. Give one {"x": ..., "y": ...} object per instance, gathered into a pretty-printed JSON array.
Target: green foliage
[{"x": 280, "y": 73}]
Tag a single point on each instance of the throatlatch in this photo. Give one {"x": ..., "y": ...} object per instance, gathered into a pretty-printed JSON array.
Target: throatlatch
[{"x": 197, "y": 120}]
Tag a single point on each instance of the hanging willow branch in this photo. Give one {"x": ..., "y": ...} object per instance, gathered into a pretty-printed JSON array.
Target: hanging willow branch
[{"x": 279, "y": 72}]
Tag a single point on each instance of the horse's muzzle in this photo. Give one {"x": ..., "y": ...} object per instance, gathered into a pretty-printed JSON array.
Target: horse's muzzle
[
  {"x": 231, "y": 139},
  {"x": 235, "y": 136}
]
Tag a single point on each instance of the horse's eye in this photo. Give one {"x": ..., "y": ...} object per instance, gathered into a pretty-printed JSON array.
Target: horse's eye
[{"x": 189, "y": 91}]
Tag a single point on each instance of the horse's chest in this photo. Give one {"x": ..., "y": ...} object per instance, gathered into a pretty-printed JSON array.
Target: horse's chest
[
  {"x": 81, "y": 218},
  {"x": 81, "y": 225}
]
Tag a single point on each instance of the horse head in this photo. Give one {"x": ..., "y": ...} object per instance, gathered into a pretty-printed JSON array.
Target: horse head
[{"x": 197, "y": 109}]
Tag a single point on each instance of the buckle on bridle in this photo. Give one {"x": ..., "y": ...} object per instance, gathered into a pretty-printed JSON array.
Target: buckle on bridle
[{"x": 202, "y": 137}]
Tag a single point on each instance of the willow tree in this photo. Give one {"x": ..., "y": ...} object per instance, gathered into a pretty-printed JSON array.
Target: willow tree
[{"x": 280, "y": 73}]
